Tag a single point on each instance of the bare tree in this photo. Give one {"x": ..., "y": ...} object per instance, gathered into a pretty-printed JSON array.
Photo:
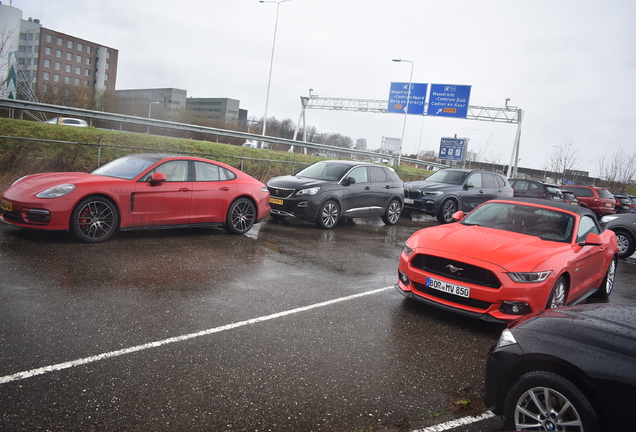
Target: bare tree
[
  {"x": 7, "y": 38},
  {"x": 618, "y": 170},
  {"x": 563, "y": 158}
]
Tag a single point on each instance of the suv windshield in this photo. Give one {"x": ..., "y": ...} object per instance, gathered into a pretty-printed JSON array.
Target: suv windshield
[
  {"x": 324, "y": 171},
  {"x": 448, "y": 177}
]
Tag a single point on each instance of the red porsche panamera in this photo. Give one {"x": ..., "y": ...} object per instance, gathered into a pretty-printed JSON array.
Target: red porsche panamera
[
  {"x": 509, "y": 258},
  {"x": 141, "y": 191}
]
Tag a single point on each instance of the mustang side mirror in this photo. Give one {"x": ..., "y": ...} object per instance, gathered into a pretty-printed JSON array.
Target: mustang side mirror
[
  {"x": 157, "y": 178},
  {"x": 592, "y": 240},
  {"x": 457, "y": 216}
]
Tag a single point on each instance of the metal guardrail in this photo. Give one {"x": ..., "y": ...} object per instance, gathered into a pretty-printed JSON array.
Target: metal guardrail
[{"x": 90, "y": 115}]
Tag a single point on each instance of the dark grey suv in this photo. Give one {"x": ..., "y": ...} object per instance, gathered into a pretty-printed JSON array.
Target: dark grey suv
[
  {"x": 452, "y": 189},
  {"x": 330, "y": 190}
]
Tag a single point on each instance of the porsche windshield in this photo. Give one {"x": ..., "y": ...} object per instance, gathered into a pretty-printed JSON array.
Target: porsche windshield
[
  {"x": 127, "y": 167},
  {"x": 324, "y": 171},
  {"x": 448, "y": 177},
  {"x": 524, "y": 219}
]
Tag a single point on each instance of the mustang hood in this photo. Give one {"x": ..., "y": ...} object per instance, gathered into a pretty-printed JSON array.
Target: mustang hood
[
  {"x": 511, "y": 251},
  {"x": 294, "y": 182}
]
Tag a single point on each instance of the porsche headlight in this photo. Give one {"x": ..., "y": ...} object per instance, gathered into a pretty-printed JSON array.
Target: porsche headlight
[
  {"x": 530, "y": 277},
  {"x": 56, "y": 191},
  {"x": 310, "y": 191}
]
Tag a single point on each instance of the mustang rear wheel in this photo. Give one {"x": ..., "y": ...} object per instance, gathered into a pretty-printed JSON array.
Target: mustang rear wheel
[
  {"x": 240, "y": 216},
  {"x": 557, "y": 296},
  {"x": 94, "y": 219},
  {"x": 545, "y": 401},
  {"x": 328, "y": 215},
  {"x": 392, "y": 214}
]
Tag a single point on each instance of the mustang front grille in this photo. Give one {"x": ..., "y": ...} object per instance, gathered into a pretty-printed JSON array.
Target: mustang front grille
[{"x": 456, "y": 270}]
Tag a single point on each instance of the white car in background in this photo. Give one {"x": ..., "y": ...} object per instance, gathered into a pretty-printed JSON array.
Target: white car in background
[{"x": 68, "y": 121}]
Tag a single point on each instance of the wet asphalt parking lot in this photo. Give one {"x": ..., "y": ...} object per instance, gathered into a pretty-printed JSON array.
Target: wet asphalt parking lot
[{"x": 287, "y": 328}]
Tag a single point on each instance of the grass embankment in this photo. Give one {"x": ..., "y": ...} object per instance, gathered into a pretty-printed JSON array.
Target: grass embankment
[{"x": 76, "y": 149}]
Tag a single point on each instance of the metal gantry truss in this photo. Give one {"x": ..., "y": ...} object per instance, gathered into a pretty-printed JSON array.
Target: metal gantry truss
[{"x": 507, "y": 114}]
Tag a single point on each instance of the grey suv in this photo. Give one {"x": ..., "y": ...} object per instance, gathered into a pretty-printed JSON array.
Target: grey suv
[{"x": 452, "y": 189}]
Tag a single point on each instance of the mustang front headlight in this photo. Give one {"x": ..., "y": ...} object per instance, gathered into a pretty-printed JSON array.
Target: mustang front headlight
[
  {"x": 530, "y": 277},
  {"x": 310, "y": 191},
  {"x": 56, "y": 191}
]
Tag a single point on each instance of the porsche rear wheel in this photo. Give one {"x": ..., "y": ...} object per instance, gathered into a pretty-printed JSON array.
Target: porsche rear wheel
[
  {"x": 558, "y": 294},
  {"x": 240, "y": 216},
  {"x": 94, "y": 219}
]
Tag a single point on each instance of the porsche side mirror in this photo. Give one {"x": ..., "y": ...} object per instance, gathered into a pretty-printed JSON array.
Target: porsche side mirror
[
  {"x": 592, "y": 240},
  {"x": 157, "y": 178}
]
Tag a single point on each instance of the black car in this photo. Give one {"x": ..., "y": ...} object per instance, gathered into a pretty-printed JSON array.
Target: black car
[
  {"x": 535, "y": 189},
  {"x": 569, "y": 197},
  {"x": 568, "y": 369},
  {"x": 327, "y": 191},
  {"x": 624, "y": 204},
  {"x": 624, "y": 225},
  {"x": 452, "y": 189}
]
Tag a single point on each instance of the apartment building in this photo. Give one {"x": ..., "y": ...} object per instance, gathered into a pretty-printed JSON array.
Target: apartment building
[{"x": 50, "y": 66}]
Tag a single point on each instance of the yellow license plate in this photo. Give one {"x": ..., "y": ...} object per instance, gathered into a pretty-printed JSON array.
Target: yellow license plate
[
  {"x": 7, "y": 206},
  {"x": 275, "y": 201}
]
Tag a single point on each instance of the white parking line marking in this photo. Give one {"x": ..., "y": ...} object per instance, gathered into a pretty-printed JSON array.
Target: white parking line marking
[
  {"x": 456, "y": 423},
  {"x": 57, "y": 367}
]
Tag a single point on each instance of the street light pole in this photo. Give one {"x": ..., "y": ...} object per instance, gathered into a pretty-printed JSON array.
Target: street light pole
[
  {"x": 149, "y": 111},
  {"x": 406, "y": 110},
  {"x": 271, "y": 63}
]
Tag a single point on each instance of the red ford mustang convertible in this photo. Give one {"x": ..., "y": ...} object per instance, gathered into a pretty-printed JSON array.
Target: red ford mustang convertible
[
  {"x": 142, "y": 191},
  {"x": 509, "y": 258}
]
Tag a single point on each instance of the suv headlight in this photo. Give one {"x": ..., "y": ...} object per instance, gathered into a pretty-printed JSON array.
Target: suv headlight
[
  {"x": 433, "y": 193},
  {"x": 606, "y": 219},
  {"x": 506, "y": 338},
  {"x": 56, "y": 191},
  {"x": 310, "y": 191}
]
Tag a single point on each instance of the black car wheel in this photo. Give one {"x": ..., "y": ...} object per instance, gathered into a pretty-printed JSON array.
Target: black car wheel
[
  {"x": 446, "y": 212},
  {"x": 392, "y": 213},
  {"x": 626, "y": 244},
  {"x": 605, "y": 289},
  {"x": 94, "y": 219},
  {"x": 240, "y": 216},
  {"x": 557, "y": 296},
  {"x": 328, "y": 215},
  {"x": 545, "y": 401}
]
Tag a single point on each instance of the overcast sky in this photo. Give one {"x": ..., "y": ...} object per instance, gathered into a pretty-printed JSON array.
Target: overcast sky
[{"x": 569, "y": 64}]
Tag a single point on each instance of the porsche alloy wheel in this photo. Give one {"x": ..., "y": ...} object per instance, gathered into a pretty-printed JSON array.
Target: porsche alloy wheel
[
  {"x": 557, "y": 296},
  {"x": 392, "y": 214},
  {"x": 545, "y": 401},
  {"x": 240, "y": 216},
  {"x": 94, "y": 219},
  {"x": 328, "y": 215}
]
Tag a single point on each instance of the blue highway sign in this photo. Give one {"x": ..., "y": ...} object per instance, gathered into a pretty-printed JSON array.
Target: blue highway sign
[
  {"x": 447, "y": 100},
  {"x": 453, "y": 149},
  {"x": 400, "y": 93}
]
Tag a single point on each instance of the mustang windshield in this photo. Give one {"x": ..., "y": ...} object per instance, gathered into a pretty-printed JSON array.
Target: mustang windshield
[
  {"x": 324, "y": 171},
  {"x": 448, "y": 177},
  {"x": 544, "y": 223},
  {"x": 127, "y": 167}
]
